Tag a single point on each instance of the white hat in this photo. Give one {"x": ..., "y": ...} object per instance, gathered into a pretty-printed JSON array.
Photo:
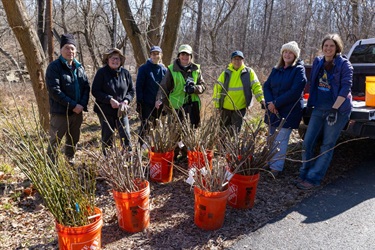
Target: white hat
[
  {"x": 292, "y": 46},
  {"x": 185, "y": 48}
]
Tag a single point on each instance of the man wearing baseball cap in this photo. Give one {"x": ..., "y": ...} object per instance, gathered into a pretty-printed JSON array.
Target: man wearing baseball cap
[
  {"x": 234, "y": 90},
  {"x": 68, "y": 90}
]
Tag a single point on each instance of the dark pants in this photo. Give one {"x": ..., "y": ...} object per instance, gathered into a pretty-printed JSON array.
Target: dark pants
[
  {"x": 68, "y": 126},
  {"x": 192, "y": 111},
  {"x": 109, "y": 124},
  {"x": 148, "y": 114},
  {"x": 232, "y": 119}
]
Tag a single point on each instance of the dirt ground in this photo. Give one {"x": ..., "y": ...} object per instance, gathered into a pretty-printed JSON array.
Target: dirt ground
[{"x": 26, "y": 224}]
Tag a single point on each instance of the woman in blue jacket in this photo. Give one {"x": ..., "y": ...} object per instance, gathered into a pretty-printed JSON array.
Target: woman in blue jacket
[
  {"x": 330, "y": 96},
  {"x": 149, "y": 77},
  {"x": 113, "y": 91},
  {"x": 282, "y": 92}
]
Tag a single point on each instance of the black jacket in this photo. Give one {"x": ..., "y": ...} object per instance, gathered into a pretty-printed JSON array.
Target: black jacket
[
  {"x": 109, "y": 83},
  {"x": 63, "y": 92}
]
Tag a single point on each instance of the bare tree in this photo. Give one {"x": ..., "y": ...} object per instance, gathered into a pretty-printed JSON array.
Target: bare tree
[
  {"x": 220, "y": 20},
  {"x": 266, "y": 29},
  {"x": 154, "y": 27},
  {"x": 33, "y": 52},
  {"x": 137, "y": 37},
  {"x": 197, "y": 41},
  {"x": 172, "y": 24}
]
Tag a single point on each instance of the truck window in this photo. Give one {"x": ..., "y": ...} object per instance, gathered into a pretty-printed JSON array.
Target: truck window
[{"x": 364, "y": 53}]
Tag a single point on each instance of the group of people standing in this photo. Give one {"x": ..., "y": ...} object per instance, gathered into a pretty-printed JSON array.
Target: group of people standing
[{"x": 179, "y": 85}]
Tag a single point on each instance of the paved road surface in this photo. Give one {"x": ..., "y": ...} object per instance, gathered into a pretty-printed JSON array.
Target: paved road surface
[{"x": 339, "y": 216}]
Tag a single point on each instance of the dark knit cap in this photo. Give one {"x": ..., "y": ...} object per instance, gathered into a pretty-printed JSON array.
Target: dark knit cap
[{"x": 67, "y": 39}]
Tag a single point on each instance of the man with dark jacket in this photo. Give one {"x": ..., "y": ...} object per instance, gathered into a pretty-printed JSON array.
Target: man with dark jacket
[{"x": 69, "y": 91}]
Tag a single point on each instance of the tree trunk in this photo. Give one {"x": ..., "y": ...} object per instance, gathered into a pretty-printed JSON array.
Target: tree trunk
[
  {"x": 156, "y": 18},
  {"x": 41, "y": 22},
  {"x": 199, "y": 31},
  {"x": 266, "y": 31},
  {"x": 86, "y": 9},
  {"x": 246, "y": 25},
  {"x": 171, "y": 28},
  {"x": 35, "y": 59},
  {"x": 133, "y": 32}
]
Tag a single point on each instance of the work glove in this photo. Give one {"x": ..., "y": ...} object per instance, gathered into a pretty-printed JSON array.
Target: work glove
[{"x": 332, "y": 117}]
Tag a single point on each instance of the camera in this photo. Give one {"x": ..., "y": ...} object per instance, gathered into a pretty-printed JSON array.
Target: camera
[{"x": 189, "y": 85}]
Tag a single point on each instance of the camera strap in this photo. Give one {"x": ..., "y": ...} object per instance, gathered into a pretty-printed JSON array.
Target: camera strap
[{"x": 189, "y": 74}]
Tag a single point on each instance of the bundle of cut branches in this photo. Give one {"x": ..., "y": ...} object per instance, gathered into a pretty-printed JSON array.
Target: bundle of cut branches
[
  {"x": 68, "y": 192},
  {"x": 249, "y": 150},
  {"x": 121, "y": 169},
  {"x": 205, "y": 136},
  {"x": 164, "y": 135},
  {"x": 213, "y": 179}
]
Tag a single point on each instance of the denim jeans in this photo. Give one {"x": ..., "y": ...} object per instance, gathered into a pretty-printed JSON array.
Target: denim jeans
[
  {"x": 109, "y": 124},
  {"x": 313, "y": 171},
  {"x": 281, "y": 143}
]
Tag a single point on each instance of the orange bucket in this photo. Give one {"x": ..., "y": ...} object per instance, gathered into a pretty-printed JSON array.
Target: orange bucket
[
  {"x": 370, "y": 91},
  {"x": 209, "y": 208},
  {"x": 242, "y": 190},
  {"x": 133, "y": 209},
  {"x": 196, "y": 159},
  {"x": 84, "y": 237},
  {"x": 161, "y": 166}
]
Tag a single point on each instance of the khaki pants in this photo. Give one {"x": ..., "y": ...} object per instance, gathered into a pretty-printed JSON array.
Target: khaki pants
[{"x": 68, "y": 126}]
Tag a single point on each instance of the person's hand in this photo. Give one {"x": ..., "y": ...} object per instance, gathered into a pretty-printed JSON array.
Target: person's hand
[
  {"x": 123, "y": 109},
  {"x": 78, "y": 109},
  {"x": 271, "y": 107},
  {"x": 332, "y": 117},
  {"x": 114, "y": 104}
]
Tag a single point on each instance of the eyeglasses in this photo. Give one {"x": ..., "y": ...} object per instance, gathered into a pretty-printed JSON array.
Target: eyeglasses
[{"x": 114, "y": 58}]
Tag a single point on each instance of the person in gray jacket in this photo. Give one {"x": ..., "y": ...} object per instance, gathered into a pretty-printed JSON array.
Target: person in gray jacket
[{"x": 68, "y": 90}]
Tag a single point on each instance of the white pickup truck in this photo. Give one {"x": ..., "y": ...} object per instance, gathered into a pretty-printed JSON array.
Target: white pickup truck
[{"x": 362, "y": 119}]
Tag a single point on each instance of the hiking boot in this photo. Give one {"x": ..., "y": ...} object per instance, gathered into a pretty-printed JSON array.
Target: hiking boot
[{"x": 305, "y": 185}]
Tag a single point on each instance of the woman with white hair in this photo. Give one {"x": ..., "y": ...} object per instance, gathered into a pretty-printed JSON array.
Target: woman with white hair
[{"x": 282, "y": 92}]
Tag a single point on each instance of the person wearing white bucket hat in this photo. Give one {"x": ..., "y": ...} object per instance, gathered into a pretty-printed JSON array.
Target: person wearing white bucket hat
[
  {"x": 331, "y": 100},
  {"x": 282, "y": 92}
]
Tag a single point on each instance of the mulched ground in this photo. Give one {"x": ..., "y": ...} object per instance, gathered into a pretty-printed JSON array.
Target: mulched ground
[{"x": 26, "y": 224}]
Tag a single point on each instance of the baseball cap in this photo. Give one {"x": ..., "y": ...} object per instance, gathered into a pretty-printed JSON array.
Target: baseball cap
[
  {"x": 156, "y": 48},
  {"x": 237, "y": 53},
  {"x": 185, "y": 48}
]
